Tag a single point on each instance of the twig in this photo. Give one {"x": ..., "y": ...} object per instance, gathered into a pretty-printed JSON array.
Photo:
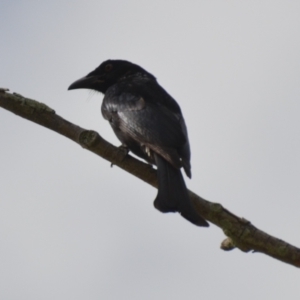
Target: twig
[{"x": 240, "y": 232}]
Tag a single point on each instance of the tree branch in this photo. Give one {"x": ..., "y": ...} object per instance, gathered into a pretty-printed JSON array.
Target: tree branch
[{"x": 240, "y": 232}]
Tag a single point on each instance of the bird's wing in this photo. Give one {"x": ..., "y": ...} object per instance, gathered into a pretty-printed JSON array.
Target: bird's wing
[{"x": 149, "y": 123}]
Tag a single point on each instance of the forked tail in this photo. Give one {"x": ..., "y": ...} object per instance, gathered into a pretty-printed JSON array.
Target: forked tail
[{"x": 172, "y": 193}]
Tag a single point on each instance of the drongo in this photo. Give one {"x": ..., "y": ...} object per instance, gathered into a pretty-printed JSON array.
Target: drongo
[{"x": 149, "y": 123}]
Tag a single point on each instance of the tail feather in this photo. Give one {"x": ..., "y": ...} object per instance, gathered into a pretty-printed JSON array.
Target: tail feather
[{"x": 172, "y": 193}]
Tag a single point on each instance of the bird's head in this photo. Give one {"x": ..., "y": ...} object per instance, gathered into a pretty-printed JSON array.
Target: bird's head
[{"x": 107, "y": 74}]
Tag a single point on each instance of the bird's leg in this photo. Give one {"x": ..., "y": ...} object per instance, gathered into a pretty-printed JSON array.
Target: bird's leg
[{"x": 124, "y": 150}]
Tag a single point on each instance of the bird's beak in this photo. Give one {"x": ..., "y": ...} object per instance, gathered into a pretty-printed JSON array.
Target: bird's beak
[{"x": 87, "y": 82}]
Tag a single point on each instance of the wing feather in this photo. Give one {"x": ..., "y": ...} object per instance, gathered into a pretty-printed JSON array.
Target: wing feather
[{"x": 149, "y": 123}]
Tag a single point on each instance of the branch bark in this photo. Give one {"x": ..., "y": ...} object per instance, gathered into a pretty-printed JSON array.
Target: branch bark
[{"x": 240, "y": 233}]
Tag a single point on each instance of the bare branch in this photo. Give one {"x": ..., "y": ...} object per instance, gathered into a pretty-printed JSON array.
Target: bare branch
[{"x": 240, "y": 232}]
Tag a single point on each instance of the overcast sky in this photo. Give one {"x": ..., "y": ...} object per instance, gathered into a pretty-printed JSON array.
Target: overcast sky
[{"x": 71, "y": 227}]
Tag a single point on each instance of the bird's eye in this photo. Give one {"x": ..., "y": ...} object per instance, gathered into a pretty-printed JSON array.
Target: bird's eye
[{"x": 108, "y": 67}]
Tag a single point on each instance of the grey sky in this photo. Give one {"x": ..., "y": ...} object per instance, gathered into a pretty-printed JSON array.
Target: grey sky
[{"x": 71, "y": 227}]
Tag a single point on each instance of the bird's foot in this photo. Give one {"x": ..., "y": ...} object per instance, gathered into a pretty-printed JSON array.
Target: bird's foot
[{"x": 123, "y": 150}]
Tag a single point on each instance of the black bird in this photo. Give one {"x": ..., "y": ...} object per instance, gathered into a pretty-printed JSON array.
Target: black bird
[{"x": 148, "y": 122}]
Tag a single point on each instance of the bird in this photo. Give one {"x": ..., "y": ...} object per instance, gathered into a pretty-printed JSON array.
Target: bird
[{"x": 149, "y": 123}]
